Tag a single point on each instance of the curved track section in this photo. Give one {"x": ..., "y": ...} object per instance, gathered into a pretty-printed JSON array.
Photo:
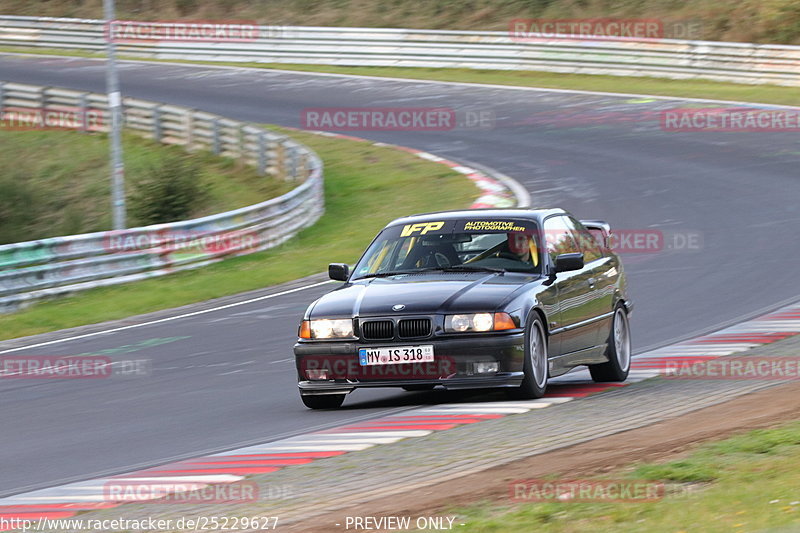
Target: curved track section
[{"x": 224, "y": 379}]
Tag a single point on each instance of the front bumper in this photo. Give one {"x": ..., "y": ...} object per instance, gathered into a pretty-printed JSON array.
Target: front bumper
[{"x": 326, "y": 367}]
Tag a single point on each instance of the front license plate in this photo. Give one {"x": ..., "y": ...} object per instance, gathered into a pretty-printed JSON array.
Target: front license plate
[{"x": 395, "y": 355}]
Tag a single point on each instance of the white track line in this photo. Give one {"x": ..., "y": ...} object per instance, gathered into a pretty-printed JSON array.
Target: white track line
[
  {"x": 167, "y": 319},
  {"x": 199, "y": 478},
  {"x": 388, "y": 433},
  {"x": 479, "y": 411},
  {"x": 289, "y": 448},
  {"x": 337, "y": 441}
]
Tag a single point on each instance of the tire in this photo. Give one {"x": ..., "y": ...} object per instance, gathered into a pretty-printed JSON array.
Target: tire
[
  {"x": 534, "y": 383},
  {"x": 618, "y": 350},
  {"x": 323, "y": 401},
  {"x": 415, "y": 388}
]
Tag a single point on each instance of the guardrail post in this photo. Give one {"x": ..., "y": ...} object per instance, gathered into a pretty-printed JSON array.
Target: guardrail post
[
  {"x": 42, "y": 99},
  {"x": 280, "y": 158},
  {"x": 189, "y": 128},
  {"x": 123, "y": 115},
  {"x": 303, "y": 165},
  {"x": 83, "y": 103},
  {"x": 215, "y": 141},
  {"x": 2, "y": 96},
  {"x": 293, "y": 163},
  {"x": 262, "y": 153},
  {"x": 157, "y": 133}
]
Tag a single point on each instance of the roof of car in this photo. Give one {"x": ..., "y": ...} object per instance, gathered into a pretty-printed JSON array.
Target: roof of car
[{"x": 488, "y": 213}]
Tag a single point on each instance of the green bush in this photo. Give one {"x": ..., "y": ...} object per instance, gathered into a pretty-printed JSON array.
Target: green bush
[
  {"x": 18, "y": 208},
  {"x": 171, "y": 191}
]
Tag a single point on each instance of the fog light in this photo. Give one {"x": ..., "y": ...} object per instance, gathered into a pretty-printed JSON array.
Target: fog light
[
  {"x": 485, "y": 367},
  {"x": 317, "y": 374}
]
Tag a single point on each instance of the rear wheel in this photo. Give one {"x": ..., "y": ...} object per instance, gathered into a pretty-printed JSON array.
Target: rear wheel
[
  {"x": 618, "y": 350},
  {"x": 323, "y": 401},
  {"x": 535, "y": 381}
]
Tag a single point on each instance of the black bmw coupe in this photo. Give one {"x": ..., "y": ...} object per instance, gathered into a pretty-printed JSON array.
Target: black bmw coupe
[{"x": 469, "y": 299}]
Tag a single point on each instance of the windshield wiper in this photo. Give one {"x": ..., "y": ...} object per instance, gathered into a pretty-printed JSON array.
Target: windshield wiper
[
  {"x": 385, "y": 274},
  {"x": 467, "y": 268},
  {"x": 454, "y": 268}
]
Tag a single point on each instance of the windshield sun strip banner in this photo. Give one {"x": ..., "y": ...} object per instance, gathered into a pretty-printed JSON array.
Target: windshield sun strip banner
[{"x": 477, "y": 225}]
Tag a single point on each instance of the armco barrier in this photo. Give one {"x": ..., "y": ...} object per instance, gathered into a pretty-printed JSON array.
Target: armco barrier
[
  {"x": 735, "y": 62},
  {"x": 36, "y": 269}
]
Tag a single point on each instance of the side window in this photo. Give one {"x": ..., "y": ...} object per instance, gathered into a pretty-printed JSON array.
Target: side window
[
  {"x": 559, "y": 237},
  {"x": 588, "y": 242}
]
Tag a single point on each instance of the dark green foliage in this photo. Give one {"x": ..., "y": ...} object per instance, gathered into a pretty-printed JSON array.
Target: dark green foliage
[
  {"x": 18, "y": 208},
  {"x": 168, "y": 192}
]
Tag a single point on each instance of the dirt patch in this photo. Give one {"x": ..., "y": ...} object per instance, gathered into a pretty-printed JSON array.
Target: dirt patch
[{"x": 668, "y": 439}]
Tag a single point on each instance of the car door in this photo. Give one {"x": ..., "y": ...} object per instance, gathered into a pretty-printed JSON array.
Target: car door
[
  {"x": 572, "y": 325},
  {"x": 602, "y": 277}
]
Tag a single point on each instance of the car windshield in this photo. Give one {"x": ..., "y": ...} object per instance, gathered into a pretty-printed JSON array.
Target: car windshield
[{"x": 453, "y": 245}]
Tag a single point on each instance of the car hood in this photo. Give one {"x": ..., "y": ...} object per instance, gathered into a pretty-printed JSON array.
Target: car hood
[{"x": 426, "y": 293}]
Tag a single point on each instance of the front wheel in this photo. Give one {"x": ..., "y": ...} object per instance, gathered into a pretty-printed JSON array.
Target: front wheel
[
  {"x": 536, "y": 364},
  {"x": 618, "y": 351},
  {"x": 323, "y": 401}
]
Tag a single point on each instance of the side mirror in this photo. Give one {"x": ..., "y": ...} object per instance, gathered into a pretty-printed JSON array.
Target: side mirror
[
  {"x": 338, "y": 271},
  {"x": 568, "y": 262}
]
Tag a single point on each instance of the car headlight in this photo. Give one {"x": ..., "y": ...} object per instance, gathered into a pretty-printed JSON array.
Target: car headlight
[
  {"x": 326, "y": 329},
  {"x": 478, "y": 322}
]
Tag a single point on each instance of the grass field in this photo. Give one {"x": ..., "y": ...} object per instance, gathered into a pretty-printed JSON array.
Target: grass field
[
  {"x": 365, "y": 187},
  {"x": 57, "y": 182},
  {"x": 744, "y": 483}
]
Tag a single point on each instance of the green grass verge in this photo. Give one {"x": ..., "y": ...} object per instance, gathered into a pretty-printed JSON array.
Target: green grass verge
[
  {"x": 767, "y": 94},
  {"x": 57, "y": 182},
  {"x": 745, "y": 483},
  {"x": 365, "y": 187}
]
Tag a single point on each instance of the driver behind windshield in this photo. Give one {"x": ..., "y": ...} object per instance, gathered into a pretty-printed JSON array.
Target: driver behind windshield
[{"x": 514, "y": 251}]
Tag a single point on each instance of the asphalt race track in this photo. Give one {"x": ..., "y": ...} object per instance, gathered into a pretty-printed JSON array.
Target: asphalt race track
[{"x": 226, "y": 378}]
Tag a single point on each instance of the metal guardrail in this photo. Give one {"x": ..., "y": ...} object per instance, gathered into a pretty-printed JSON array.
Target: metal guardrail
[
  {"x": 36, "y": 269},
  {"x": 736, "y": 62}
]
